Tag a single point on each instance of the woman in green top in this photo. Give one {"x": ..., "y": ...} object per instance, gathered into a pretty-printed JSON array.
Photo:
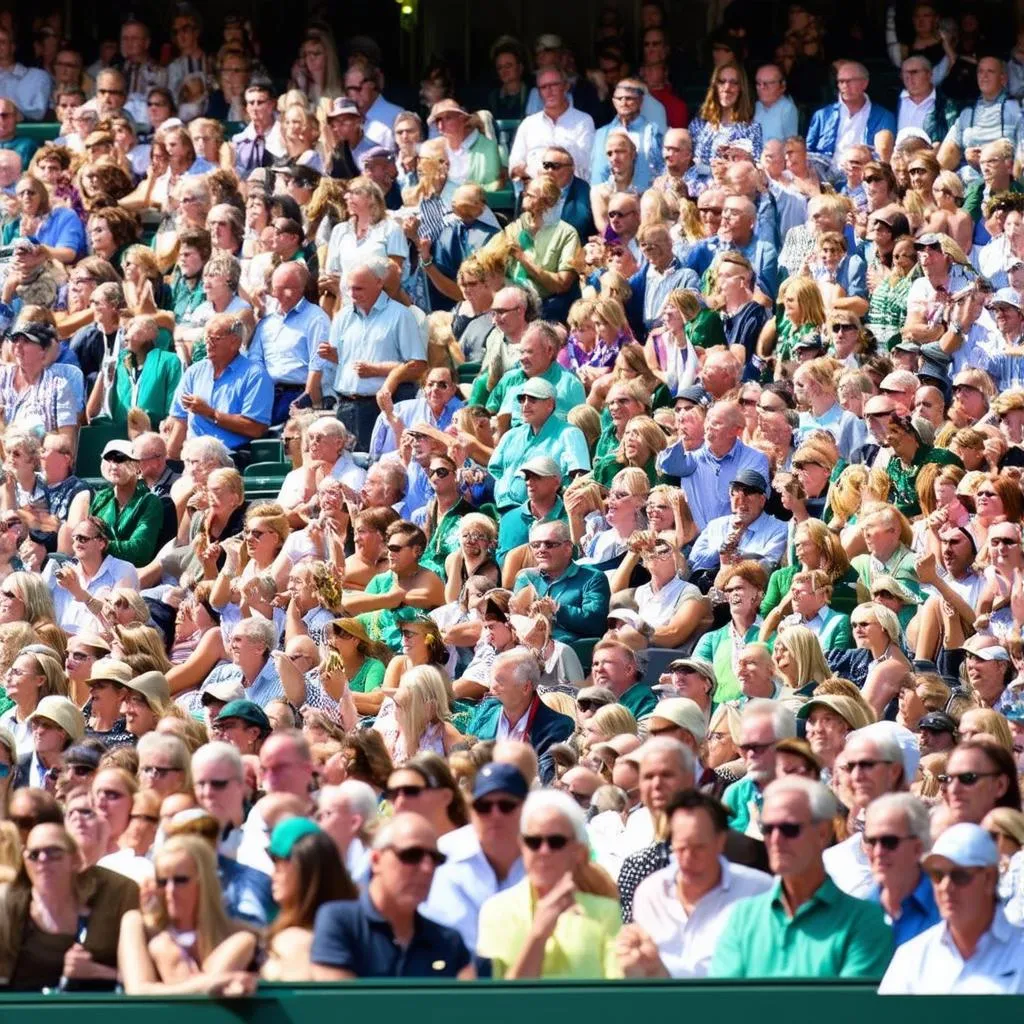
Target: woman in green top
[
  {"x": 444, "y": 511},
  {"x": 641, "y": 442},
  {"x": 744, "y": 585},
  {"x": 887, "y": 309},
  {"x": 801, "y": 312},
  {"x": 361, "y": 660},
  {"x": 145, "y": 377}
]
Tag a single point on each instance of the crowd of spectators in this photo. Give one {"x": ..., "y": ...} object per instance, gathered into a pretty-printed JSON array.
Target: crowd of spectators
[{"x": 561, "y": 535}]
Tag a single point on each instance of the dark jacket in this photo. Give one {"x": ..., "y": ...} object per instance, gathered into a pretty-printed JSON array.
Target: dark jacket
[{"x": 548, "y": 727}]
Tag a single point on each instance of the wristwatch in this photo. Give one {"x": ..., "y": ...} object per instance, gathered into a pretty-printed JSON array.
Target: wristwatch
[{"x": 956, "y": 327}]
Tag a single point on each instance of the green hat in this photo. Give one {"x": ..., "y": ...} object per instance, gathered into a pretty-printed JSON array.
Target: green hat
[
  {"x": 287, "y": 833},
  {"x": 248, "y": 711}
]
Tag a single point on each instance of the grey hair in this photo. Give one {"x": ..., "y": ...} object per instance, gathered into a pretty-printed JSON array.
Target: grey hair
[
  {"x": 919, "y": 59},
  {"x": 112, "y": 292},
  {"x": 138, "y": 323},
  {"x": 524, "y": 664},
  {"x": 914, "y": 810},
  {"x": 359, "y": 797},
  {"x": 379, "y": 266},
  {"x": 783, "y": 719},
  {"x": 667, "y": 745},
  {"x": 333, "y": 426},
  {"x": 885, "y": 746},
  {"x": 559, "y": 526},
  {"x": 822, "y": 802},
  {"x": 223, "y": 265},
  {"x": 262, "y": 629},
  {"x": 541, "y": 800},
  {"x": 218, "y": 752},
  {"x": 861, "y": 70},
  {"x": 548, "y": 331},
  {"x": 396, "y": 475},
  {"x": 207, "y": 449},
  {"x": 162, "y": 743}
]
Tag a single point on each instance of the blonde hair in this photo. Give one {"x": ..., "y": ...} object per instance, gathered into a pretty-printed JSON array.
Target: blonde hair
[
  {"x": 993, "y": 724},
  {"x": 421, "y": 702},
  {"x": 588, "y": 419},
  {"x": 729, "y": 716},
  {"x": 632, "y": 479},
  {"x": 649, "y": 432},
  {"x": 139, "y": 638},
  {"x": 611, "y": 311},
  {"x": 833, "y": 553},
  {"x": 809, "y": 305},
  {"x": 951, "y": 182},
  {"x": 613, "y": 720},
  {"x": 805, "y": 648}
]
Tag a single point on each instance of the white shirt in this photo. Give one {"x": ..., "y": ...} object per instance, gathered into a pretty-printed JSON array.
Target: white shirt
[
  {"x": 458, "y": 159},
  {"x": 930, "y": 963},
  {"x": 969, "y": 588},
  {"x": 574, "y": 131},
  {"x": 346, "y": 470},
  {"x": 847, "y": 866},
  {"x": 72, "y": 615},
  {"x": 852, "y": 129},
  {"x": 658, "y": 608},
  {"x": 686, "y": 942},
  {"x": 21, "y": 731},
  {"x": 911, "y": 114},
  {"x": 613, "y": 841},
  {"x": 128, "y": 863},
  {"x": 252, "y": 850}
]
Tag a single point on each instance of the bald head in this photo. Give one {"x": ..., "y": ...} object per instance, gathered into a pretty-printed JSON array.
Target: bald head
[{"x": 581, "y": 784}]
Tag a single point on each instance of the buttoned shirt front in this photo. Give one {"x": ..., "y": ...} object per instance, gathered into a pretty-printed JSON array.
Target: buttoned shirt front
[
  {"x": 29, "y": 88},
  {"x": 563, "y": 442},
  {"x": 931, "y": 964},
  {"x": 764, "y": 540},
  {"x": 986, "y": 121},
  {"x": 852, "y": 129},
  {"x": 387, "y": 333},
  {"x": 686, "y": 942},
  {"x": 285, "y": 344},
  {"x": 572, "y": 130},
  {"x": 910, "y": 114},
  {"x": 918, "y": 911}
]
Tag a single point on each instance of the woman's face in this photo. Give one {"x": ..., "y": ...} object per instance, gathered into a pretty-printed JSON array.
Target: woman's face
[
  {"x": 256, "y": 213},
  {"x": 48, "y": 859},
  {"x": 293, "y": 124},
  {"x": 661, "y": 563},
  {"x": 414, "y": 644},
  {"x": 261, "y": 542},
  {"x": 972, "y": 798},
  {"x": 659, "y": 513},
  {"x": 807, "y": 552},
  {"x": 315, "y": 58},
  {"x": 987, "y": 500},
  {"x": 636, "y": 448},
  {"x": 222, "y": 497},
  {"x": 28, "y": 200},
  {"x": 112, "y": 801},
  {"x": 742, "y": 596},
  {"x": 359, "y": 203},
  {"x": 727, "y": 89},
  {"x": 971, "y": 724},
  {"x": 216, "y": 285},
  {"x": 101, "y": 239},
  {"x": 558, "y": 852},
  {"x": 784, "y": 660},
  {"x": 408, "y": 792},
  {"x": 868, "y": 634},
  {"x": 134, "y": 271},
  {"x": 284, "y": 882},
  {"x": 672, "y": 318},
  {"x": 367, "y": 538},
  {"x": 622, "y": 508},
  {"x": 24, "y": 680},
  {"x": 178, "y": 881},
  {"x": 119, "y": 611},
  {"x": 604, "y": 330},
  {"x": 813, "y": 478}
]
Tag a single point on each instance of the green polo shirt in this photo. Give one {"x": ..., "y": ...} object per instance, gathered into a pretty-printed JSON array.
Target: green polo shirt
[
  {"x": 640, "y": 700},
  {"x": 560, "y": 440},
  {"x": 738, "y": 797},
  {"x": 134, "y": 529},
  {"x": 514, "y": 528},
  {"x": 904, "y": 478},
  {"x": 445, "y": 538},
  {"x": 505, "y": 397},
  {"x": 832, "y": 935},
  {"x": 185, "y": 299}
]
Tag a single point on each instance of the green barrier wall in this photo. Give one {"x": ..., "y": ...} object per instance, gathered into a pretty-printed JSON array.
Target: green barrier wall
[{"x": 765, "y": 1002}]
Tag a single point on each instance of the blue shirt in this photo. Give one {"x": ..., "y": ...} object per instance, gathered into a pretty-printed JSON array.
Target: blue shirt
[
  {"x": 849, "y": 431},
  {"x": 285, "y": 344},
  {"x": 63, "y": 229},
  {"x": 409, "y": 412},
  {"x": 265, "y": 687},
  {"x": 761, "y": 254},
  {"x": 651, "y": 289},
  {"x": 647, "y": 139},
  {"x": 30, "y": 89},
  {"x": 780, "y": 120},
  {"x": 705, "y": 478},
  {"x": 388, "y": 333},
  {"x": 243, "y": 389},
  {"x": 918, "y": 911},
  {"x": 246, "y": 892},
  {"x": 764, "y": 540},
  {"x": 352, "y": 935}
]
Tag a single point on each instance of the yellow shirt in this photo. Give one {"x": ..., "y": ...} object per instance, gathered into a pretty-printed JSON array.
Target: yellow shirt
[{"x": 582, "y": 945}]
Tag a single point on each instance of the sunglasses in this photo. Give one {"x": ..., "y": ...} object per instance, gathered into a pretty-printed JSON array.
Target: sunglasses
[
  {"x": 395, "y": 548},
  {"x": 966, "y": 778},
  {"x": 178, "y": 880},
  {"x": 409, "y": 792},
  {"x": 413, "y": 855},
  {"x": 545, "y": 545},
  {"x": 80, "y": 769},
  {"x": 441, "y": 472},
  {"x": 754, "y": 748},
  {"x": 554, "y": 842},
  {"x": 867, "y": 765},
  {"x": 886, "y": 842},
  {"x": 589, "y": 704},
  {"x": 550, "y": 165},
  {"x": 787, "y": 829},
  {"x": 873, "y": 179},
  {"x": 836, "y": 328},
  {"x": 958, "y": 876},
  {"x": 117, "y": 457},
  {"x": 483, "y": 807},
  {"x": 157, "y": 771}
]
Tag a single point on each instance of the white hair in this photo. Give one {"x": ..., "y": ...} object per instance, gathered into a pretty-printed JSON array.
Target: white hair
[
  {"x": 379, "y": 266},
  {"x": 667, "y": 745},
  {"x": 820, "y": 799},
  {"x": 524, "y": 664},
  {"x": 163, "y": 743},
  {"x": 541, "y": 800},
  {"x": 259, "y": 628},
  {"x": 783, "y": 719},
  {"x": 207, "y": 449},
  {"x": 217, "y": 752},
  {"x": 885, "y": 746},
  {"x": 358, "y": 796},
  {"x": 915, "y": 812}
]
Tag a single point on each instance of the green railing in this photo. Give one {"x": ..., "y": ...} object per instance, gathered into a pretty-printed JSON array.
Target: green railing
[{"x": 396, "y": 1002}]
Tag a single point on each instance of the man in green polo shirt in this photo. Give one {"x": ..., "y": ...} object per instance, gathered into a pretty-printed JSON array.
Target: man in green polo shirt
[
  {"x": 615, "y": 666},
  {"x": 537, "y": 353},
  {"x": 804, "y": 926},
  {"x": 543, "y": 504}
]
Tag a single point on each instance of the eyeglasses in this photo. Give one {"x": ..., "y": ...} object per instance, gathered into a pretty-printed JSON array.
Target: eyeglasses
[
  {"x": 156, "y": 771},
  {"x": 409, "y": 792},
  {"x": 754, "y": 748},
  {"x": 966, "y": 778},
  {"x": 395, "y": 548},
  {"x": 873, "y": 179},
  {"x": 787, "y": 829},
  {"x": 117, "y": 457},
  {"x": 178, "y": 881},
  {"x": 440, "y": 472},
  {"x": 442, "y": 384},
  {"x": 887, "y": 842},
  {"x": 554, "y": 842},
  {"x": 39, "y": 853},
  {"x": 545, "y": 545},
  {"x": 550, "y": 165},
  {"x": 413, "y": 855},
  {"x": 867, "y": 765},
  {"x": 960, "y": 877},
  {"x": 81, "y": 769},
  {"x": 620, "y": 213},
  {"x": 496, "y": 311},
  {"x": 83, "y": 538},
  {"x": 590, "y": 704},
  {"x": 836, "y": 328},
  {"x": 483, "y": 807}
]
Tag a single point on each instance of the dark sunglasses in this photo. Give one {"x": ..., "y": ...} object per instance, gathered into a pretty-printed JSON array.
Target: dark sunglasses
[
  {"x": 554, "y": 842},
  {"x": 966, "y": 778},
  {"x": 409, "y": 792},
  {"x": 873, "y": 179},
  {"x": 867, "y": 765},
  {"x": 843, "y": 327},
  {"x": 80, "y": 769},
  {"x": 484, "y": 807},
  {"x": 550, "y": 165},
  {"x": 754, "y": 748},
  {"x": 590, "y": 704},
  {"x": 395, "y": 548},
  {"x": 440, "y": 472},
  {"x": 885, "y": 842},
  {"x": 958, "y": 876},
  {"x": 413, "y": 855},
  {"x": 117, "y": 457},
  {"x": 787, "y": 829}
]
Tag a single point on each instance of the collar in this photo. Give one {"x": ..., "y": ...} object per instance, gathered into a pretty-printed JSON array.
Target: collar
[
  {"x": 826, "y": 893},
  {"x": 298, "y": 309},
  {"x": 904, "y": 95},
  {"x": 1001, "y": 98},
  {"x": 866, "y": 109}
]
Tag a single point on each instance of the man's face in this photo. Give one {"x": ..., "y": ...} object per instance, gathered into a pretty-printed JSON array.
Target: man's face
[
  {"x": 806, "y": 600},
  {"x": 882, "y": 539},
  {"x": 991, "y": 77},
  {"x": 867, "y": 775},
  {"x": 655, "y": 47},
  {"x": 494, "y": 826},
  {"x": 1007, "y": 319},
  {"x": 619, "y": 154},
  {"x": 878, "y": 413},
  {"x": 757, "y": 745},
  {"x": 770, "y": 85},
  {"x": 929, "y": 405},
  {"x": 403, "y": 555},
  {"x": 552, "y": 89},
  {"x": 364, "y": 287},
  {"x": 826, "y": 732},
  {"x": 661, "y": 778},
  {"x": 746, "y": 503},
  {"x": 624, "y": 216},
  {"x": 852, "y": 84},
  {"x": 677, "y": 151},
  {"x": 695, "y": 845},
  {"x": 286, "y": 287},
  {"x": 917, "y": 80},
  {"x": 284, "y": 771},
  {"x": 534, "y": 354},
  {"x": 613, "y": 669},
  {"x": 551, "y": 554},
  {"x": 959, "y": 903},
  {"x": 219, "y": 791},
  {"x": 407, "y": 885},
  {"x": 901, "y": 862},
  {"x": 559, "y": 166},
  {"x": 509, "y": 312},
  {"x": 626, "y": 102},
  {"x": 134, "y": 42},
  {"x": 509, "y": 690},
  {"x": 790, "y": 856},
  {"x": 737, "y": 224},
  {"x": 260, "y": 107},
  {"x": 722, "y": 430},
  {"x": 542, "y": 488}
]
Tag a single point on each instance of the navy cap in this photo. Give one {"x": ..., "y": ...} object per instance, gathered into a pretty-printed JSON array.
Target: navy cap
[
  {"x": 499, "y": 778},
  {"x": 938, "y": 721},
  {"x": 752, "y": 479},
  {"x": 696, "y": 394}
]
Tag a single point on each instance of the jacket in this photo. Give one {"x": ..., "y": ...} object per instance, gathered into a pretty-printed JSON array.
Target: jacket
[
  {"x": 135, "y": 530},
  {"x": 824, "y": 129},
  {"x": 548, "y": 727}
]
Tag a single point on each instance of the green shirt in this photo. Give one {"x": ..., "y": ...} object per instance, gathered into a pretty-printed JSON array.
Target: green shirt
[
  {"x": 844, "y": 592},
  {"x": 832, "y": 935},
  {"x": 716, "y": 647},
  {"x": 738, "y": 797},
  {"x": 705, "y": 330},
  {"x": 505, "y": 397},
  {"x": 369, "y": 677},
  {"x": 606, "y": 468},
  {"x": 514, "y": 528},
  {"x": 553, "y": 248},
  {"x": 445, "y": 538},
  {"x": 904, "y": 478},
  {"x": 639, "y": 699},
  {"x": 134, "y": 529},
  {"x": 151, "y": 389},
  {"x": 185, "y": 299}
]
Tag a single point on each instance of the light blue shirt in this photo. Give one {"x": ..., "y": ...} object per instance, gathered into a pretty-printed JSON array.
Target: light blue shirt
[
  {"x": 650, "y": 108},
  {"x": 243, "y": 389},
  {"x": 850, "y": 433},
  {"x": 75, "y": 380},
  {"x": 417, "y": 492},
  {"x": 705, "y": 478},
  {"x": 29, "y": 88},
  {"x": 464, "y": 883},
  {"x": 412, "y": 410},
  {"x": 265, "y": 687},
  {"x": 285, "y": 344},
  {"x": 388, "y": 333},
  {"x": 657, "y": 288},
  {"x": 780, "y": 120},
  {"x": 647, "y": 139},
  {"x": 986, "y": 121},
  {"x": 764, "y": 540},
  {"x": 564, "y": 443}
]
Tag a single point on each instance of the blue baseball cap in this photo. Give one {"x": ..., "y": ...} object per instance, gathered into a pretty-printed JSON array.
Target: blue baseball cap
[{"x": 499, "y": 778}]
